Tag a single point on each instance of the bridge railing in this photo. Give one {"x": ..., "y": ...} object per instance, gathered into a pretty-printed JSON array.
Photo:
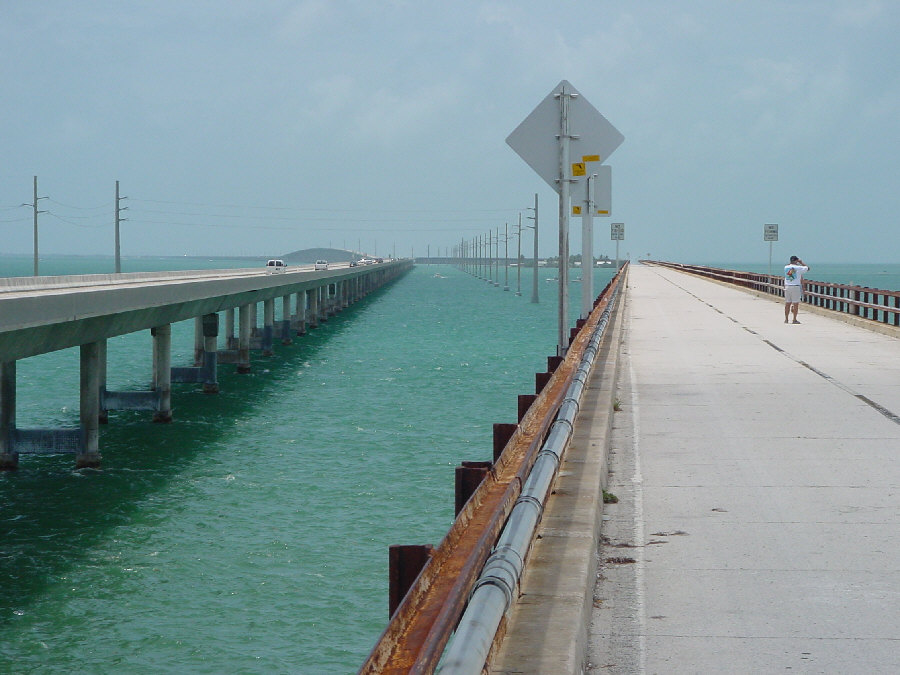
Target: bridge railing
[
  {"x": 445, "y": 576},
  {"x": 870, "y": 304}
]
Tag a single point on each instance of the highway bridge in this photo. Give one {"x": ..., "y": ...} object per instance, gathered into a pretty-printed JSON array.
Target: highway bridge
[
  {"x": 750, "y": 471},
  {"x": 45, "y": 314}
]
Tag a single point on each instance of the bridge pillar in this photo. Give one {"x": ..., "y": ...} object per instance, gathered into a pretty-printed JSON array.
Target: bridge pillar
[
  {"x": 162, "y": 371},
  {"x": 88, "y": 453},
  {"x": 312, "y": 296},
  {"x": 9, "y": 458},
  {"x": 230, "y": 342},
  {"x": 243, "y": 365},
  {"x": 286, "y": 320},
  {"x": 103, "y": 415},
  {"x": 300, "y": 318},
  {"x": 210, "y": 324},
  {"x": 199, "y": 343},
  {"x": 268, "y": 333}
]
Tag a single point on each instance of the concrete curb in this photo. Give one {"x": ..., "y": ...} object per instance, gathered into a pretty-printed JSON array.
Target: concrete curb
[{"x": 546, "y": 630}]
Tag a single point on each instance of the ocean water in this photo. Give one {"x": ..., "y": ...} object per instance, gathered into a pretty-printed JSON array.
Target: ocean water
[
  {"x": 251, "y": 534},
  {"x": 882, "y": 276}
]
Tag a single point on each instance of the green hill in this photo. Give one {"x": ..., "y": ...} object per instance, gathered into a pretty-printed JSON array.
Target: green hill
[{"x": 310, "y": 255}]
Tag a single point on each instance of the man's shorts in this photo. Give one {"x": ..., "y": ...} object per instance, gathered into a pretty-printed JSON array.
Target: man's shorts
[{"x": 793, "y": 293}]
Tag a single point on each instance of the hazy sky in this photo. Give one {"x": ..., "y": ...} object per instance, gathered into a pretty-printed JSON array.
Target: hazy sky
[{"x": 262, "y": 127}]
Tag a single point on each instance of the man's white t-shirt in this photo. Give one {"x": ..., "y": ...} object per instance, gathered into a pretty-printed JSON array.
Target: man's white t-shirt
[{"x": 793, "y": 274}]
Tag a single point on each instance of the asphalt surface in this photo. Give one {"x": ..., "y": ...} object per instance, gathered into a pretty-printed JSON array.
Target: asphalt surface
[{"x": 757, "y": 528}]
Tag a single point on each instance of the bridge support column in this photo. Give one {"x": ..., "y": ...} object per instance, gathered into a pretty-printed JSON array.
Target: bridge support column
[
  {"x": 199, "y": 343},
  {"x": 88, "y": 453},
  {"x": 300, "y": 324},
  {"x": 286, "y": 320},
  {"x": 9, "y": 458},
  {"x": 230, "y": 342},
  {"x": 312, "y": 296},
  {"x": 243, "y": 365},
  {"x": 300, "y": 317},
  {"x": 268, "y": 333},
  {"x": 104, "y": 413},
  {"x": 162, "y": 372},
  {"x": 210, "y": 323}
]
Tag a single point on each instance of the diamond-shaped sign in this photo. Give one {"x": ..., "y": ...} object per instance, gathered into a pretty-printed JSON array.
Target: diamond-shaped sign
[{"x": 536, "y": 139}]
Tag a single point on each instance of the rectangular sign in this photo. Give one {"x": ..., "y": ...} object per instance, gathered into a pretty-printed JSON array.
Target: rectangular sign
[
  {"x": 617, "y": 231},
  {"x": 770, "y": 232}
]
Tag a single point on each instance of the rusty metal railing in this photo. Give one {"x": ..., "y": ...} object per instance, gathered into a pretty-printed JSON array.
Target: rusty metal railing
[
  {"x": 423, "y": 623},
  {"x": 872, "y": 304}
]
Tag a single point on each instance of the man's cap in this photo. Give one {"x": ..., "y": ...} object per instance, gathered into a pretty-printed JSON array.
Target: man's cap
[{"x": 794, "y": 258}]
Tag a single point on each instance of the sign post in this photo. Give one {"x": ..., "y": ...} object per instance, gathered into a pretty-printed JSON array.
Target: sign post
[
  {"x": 564, "y": 124},
  {"x": 617, "y": 234},
  {"x": 770, "y": 234}
]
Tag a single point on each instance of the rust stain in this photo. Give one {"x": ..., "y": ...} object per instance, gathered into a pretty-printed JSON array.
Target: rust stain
[{"x": 416, "y": 635}]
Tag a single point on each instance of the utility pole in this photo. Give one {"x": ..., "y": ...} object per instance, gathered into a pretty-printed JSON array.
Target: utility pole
[
  {"x": 506, "y": 257},
  {"x": 34, "y": 204},
  {"x": 534, "y": 288},
  {"x": 119, "y": 220},
  {"x": 519, "y": 259},
  {"x": 497, "y": 257}
]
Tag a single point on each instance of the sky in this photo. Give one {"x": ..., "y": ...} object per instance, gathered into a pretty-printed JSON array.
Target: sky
[{"x": 268, "y": 126}]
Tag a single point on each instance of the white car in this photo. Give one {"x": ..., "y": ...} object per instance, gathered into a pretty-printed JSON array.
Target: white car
[
  {"x": 275, "y": 266},
  {"x": 321, "y": 265}
]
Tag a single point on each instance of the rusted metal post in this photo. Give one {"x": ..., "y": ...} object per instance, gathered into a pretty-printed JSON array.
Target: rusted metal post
[
  {"x": 525, "y": 401},
  {"x": 404, "y": 564},
  {"x": 468, "y": 477},
  {"x": 502, "y": 433}
]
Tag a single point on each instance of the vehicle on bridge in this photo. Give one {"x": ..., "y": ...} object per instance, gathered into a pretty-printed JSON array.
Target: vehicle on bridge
[
  {"x": 321, "y": 265},
  {"x": 275, "y": 266}
]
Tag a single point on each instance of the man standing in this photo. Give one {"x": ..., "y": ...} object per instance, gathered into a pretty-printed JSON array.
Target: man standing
[{"x": 793, "y": 286}]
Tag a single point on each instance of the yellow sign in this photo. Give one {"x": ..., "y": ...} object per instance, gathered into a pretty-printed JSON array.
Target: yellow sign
[
  {"x": 602, "y": 213},
  {"x": 576, "y": 210},
  {"x": 578, "y": 169},
  {"x": 590, "y": 158}
]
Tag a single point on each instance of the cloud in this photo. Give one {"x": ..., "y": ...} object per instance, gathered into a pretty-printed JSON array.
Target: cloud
[
  {"x": 304, "y": 19},
  {"x": 858, "y": 14}
]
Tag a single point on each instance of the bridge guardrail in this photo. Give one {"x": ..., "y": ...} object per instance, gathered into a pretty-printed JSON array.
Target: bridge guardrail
[
  {"x": 420, "y": 628},
  {"x": 873, "y": 305}
]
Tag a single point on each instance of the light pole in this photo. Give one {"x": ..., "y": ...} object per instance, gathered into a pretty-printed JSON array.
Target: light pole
[
  {"x": 519, "y": 258},
  {"x": 506, "y": 257},
  {"x": 488, "y": 259},
  {"x": 534, "y": 288},
  {"x": 497, "y": 255}
]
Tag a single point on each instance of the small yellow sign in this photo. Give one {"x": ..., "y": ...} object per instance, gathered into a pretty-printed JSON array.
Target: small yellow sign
[
  {"x": 601, "y": 212},
  {"x": 576, "y": 210},
  {"x": 578, "y": 169},
  {"x": 590, "y": 158}
]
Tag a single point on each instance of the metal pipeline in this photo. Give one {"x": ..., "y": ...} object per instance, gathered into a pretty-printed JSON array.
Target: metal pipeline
[{"x": 495, "y": 589}]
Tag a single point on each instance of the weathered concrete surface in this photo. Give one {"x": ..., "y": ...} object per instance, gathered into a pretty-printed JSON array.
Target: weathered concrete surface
[
  {"x": 758, "y": 522},
  {"x": 758, "y": 527},
  {"x": 546, "y": 631}
]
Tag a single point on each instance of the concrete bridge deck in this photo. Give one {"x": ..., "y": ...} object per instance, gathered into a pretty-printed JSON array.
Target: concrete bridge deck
[{"x": 757, "y": 527}]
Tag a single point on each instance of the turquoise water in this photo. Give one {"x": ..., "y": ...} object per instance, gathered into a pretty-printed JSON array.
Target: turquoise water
[
  {"x": 882, "y": 276},
  {"x": 251, "y": 535}
]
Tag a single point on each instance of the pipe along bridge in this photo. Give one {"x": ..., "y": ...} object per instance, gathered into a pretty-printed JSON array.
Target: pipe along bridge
[{"x": 45, "y": 314}]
